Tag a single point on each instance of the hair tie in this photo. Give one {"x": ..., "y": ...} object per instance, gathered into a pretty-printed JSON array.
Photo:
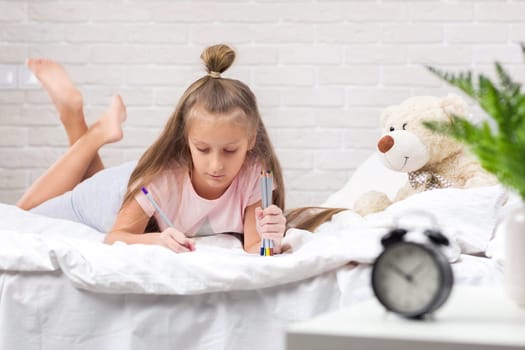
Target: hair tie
[{"x": 214, "y": 74}]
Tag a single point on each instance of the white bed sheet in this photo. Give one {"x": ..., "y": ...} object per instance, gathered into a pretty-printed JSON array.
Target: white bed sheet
[
  {"x": 61, "y": 288},
  {"x": 45, "y": 311},
  {"x": 219, "y": 263}
]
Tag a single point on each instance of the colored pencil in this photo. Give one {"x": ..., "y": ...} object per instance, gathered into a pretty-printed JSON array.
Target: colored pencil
[
  {"x": 162, "y": 214},
  {"x": 266, "y": 201}
]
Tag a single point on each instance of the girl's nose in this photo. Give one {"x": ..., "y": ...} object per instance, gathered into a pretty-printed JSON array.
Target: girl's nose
[{"x": 216, "y": 163}]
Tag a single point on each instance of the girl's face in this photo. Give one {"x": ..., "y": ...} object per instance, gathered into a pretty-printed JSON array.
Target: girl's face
[{"x": 218, "y": 149}]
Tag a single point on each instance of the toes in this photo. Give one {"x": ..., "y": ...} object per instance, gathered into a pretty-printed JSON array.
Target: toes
[
  {"x": 30, "y": 63},
  {"x": 34, "y": 64},
  {"x": 119, "y": 106},
  {"x": 117, "y": 100}
]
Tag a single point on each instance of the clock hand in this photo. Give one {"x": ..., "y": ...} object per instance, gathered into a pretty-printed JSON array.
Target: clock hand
[
  {"x": 416, "y": 269},
  {"x": 400, "y": 272}
]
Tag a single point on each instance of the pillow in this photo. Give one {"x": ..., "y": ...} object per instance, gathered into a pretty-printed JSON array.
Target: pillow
[
  {"x": 466, "y": 215},
  {"x": 496, "y": 248},
  {"x": 372, "y": 175}
]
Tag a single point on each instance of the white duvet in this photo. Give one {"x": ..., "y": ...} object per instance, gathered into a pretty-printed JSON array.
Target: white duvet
[{"x": 29, "y": 242}]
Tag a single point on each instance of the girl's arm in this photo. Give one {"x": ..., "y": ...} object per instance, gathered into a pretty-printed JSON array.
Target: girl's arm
[{"x": 130, "y": 225}]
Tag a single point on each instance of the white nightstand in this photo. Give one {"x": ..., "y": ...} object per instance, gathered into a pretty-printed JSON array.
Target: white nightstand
[{"x": 473, "y": 318}]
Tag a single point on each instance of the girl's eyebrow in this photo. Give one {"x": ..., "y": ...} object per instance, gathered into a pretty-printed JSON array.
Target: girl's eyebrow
[{"x": 202, "y": 143}]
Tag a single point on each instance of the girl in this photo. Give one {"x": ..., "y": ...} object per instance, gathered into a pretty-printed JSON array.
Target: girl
[{"x": 203, "y": 170}]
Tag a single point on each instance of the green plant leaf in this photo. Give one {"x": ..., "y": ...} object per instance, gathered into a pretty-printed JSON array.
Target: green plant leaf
[
  {"x": 511, "y": 88},
  {"x": 502, "y": 151},
  {"x": 463, "y": 81}
]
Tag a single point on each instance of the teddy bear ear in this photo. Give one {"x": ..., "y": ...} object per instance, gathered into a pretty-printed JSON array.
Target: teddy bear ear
[{"x": 454, "y": 105}]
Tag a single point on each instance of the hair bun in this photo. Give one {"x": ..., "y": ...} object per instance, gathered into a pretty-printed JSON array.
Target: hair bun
[{"x": 218, "y": 58}]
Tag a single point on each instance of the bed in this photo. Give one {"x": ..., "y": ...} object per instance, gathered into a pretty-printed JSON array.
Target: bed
[{"x": 62, "y": 288}]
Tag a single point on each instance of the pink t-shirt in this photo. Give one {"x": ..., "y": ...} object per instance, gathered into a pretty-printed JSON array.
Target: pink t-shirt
[{"x": 194, "y": 215}]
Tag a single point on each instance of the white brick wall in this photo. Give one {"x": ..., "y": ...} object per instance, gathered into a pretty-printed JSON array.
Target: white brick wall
[{"x": 322, "y": 71}]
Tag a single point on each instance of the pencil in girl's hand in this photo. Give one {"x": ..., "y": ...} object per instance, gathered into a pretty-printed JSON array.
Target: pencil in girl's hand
[
  {"x": 163, "y": 215},
  {"x": 269, "y": 187},
  {"x": 266, "y": 200},
  {"x": 263, "y": 191},
  {"x": 263, "y": 247},
  {"x": 266, "y": 188}
]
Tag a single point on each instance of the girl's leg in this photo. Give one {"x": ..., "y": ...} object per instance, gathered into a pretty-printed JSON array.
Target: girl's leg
[
  {"x": 68, "y": 102},
  {"x": 70, "y": 169}
]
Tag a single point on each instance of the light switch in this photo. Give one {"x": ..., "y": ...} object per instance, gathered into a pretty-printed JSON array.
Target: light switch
[
  {"x": 8, "y": 76},
  {"x": 26, "y": 78}
]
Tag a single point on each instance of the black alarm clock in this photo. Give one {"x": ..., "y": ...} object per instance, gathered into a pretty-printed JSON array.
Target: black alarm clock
[{"x": 412, "y": 278}]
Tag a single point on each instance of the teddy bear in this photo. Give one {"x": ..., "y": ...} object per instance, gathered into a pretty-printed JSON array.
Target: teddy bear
[{"x": 430, "y": 159}]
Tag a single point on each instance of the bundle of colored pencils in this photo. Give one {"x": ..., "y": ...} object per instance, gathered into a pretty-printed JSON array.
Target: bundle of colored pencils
[{"x": 266, "y": 199}]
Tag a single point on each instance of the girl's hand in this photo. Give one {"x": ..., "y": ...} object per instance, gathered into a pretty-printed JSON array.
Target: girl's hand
[
  {"x": 175, "y": 240},
  {"x": 271, "y": 223}
]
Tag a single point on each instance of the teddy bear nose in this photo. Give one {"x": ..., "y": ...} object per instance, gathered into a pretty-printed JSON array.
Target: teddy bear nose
[{"x": 385, "y": 143}]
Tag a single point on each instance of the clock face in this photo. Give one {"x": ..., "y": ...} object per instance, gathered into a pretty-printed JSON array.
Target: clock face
[{"x": 411, "y": 279}]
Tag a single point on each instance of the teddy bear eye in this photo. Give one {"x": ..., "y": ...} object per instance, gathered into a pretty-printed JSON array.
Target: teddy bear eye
[
  {"x": 405, "y": 126},
  {"x": 392, "y": 128}
]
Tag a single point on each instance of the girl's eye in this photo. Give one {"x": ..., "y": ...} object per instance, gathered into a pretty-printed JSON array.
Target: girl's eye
[
  {"x": 392, "y": 128},
  {"x": 405, "y": 126},
  {"x": 203, "y": 150},
  {"x": 230, "y": 150}
]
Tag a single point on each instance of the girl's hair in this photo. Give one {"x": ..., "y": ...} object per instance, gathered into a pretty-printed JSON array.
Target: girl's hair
[
  {"x": 310, "y": 218},
  {"x": 217, "y": 96}
]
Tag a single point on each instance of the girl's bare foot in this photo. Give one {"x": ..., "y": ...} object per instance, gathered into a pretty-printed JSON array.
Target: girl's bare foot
[
  {"x": 60, "y": 88},
  {"x": 111, "y": 122}
]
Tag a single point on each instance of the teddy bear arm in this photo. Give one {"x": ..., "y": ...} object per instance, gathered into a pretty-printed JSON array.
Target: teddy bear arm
[
  {"x": 371, "y": 202},
  {"x": 473, "y": 175},
  {"x": 481, "y": 180},
  {"x": 406, "y": 191}
]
